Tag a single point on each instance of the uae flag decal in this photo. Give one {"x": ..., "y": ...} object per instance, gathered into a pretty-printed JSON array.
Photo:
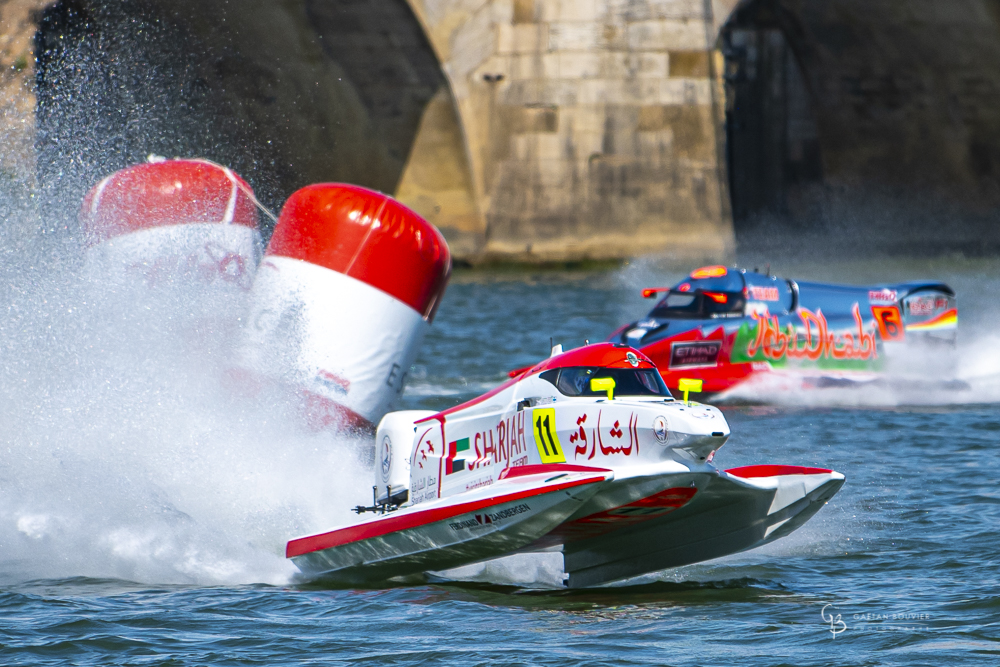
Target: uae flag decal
[{"x": 454, "y": 449}]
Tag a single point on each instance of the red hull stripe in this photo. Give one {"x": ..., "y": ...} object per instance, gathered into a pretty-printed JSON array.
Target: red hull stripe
[
  {"x": 321, "y": 413},
  {"x": 747, "y": 472},
  {"x": 392, "y": 524},
  {"x": 548, "y": 469}
]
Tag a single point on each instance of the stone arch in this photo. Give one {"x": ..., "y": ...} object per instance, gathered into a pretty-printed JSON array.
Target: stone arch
[
  {"x": 593, "y": 127},
  {"x": 559, "y": 130},
  {"x": 286, "y": 93}
]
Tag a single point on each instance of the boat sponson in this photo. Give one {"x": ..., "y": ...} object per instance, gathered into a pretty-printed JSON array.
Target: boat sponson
[
  {"x": 729, "y": 514},
  {"x": 445, "y": 534}
]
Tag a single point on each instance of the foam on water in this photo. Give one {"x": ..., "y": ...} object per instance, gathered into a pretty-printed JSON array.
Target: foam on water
[{"x": 128, "y": 453}]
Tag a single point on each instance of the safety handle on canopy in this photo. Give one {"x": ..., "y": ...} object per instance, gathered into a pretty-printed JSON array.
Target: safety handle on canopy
[
  {"x": 686, "y": 385},
  {"x": 604, "y": 384}
]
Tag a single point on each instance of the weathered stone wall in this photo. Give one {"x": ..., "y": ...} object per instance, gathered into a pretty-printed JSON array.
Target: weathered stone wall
[
  {"x": 18, "y": 19},
  {"x": 593, "y": 126},
  {"x": 535, "y": 129}
]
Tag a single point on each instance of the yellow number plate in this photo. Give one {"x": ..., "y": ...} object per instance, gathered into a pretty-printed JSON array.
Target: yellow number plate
[{"x": 546, "y": 439}]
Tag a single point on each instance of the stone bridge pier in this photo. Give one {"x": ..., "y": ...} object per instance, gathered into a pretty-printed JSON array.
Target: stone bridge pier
[
  {"x": 530, "y": 130},
  {"x": 535, "y": 130},
  {"x": 593, "y": 128}
]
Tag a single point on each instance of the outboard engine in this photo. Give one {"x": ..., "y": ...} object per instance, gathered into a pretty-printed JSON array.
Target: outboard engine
[{"x": 393, "y": 450}]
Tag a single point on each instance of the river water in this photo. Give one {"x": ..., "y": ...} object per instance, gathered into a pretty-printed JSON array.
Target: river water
[{"x": 144, "y": 504}]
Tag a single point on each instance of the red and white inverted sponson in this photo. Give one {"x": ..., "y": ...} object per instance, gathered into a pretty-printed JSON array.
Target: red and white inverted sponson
[
  {"x": 348, "y": 286},
  {"x": 169, "y": 219}
]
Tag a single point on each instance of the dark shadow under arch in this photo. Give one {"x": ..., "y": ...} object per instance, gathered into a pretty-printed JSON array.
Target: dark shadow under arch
[
  {"x": 864, "y": 127},
  {"x": 285, "y": 93}
]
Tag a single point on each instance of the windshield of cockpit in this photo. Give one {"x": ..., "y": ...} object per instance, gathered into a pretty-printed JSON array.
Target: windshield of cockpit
[
  {"x": 575, "y": 381},
  {"x": 719, "y": 295}
]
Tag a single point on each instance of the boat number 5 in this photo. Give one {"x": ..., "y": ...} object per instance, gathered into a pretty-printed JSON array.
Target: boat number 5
[
  {"x": 890, "y": 324},
  {"x": 546, "y": 439}
]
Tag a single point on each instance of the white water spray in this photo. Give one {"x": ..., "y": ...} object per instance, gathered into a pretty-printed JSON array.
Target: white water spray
[{"x": 128, "y": 453}]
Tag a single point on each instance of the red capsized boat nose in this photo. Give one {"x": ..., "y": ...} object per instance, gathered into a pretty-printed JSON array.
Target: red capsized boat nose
[{"x": 349, "y": 284}]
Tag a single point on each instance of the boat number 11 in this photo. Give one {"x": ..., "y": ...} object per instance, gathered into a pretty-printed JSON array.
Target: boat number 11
[{"x": 546, "y": 438}]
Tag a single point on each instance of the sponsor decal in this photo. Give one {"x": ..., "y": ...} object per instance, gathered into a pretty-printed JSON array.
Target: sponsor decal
[
  {"x": 479, "y": 483},
  {"x": 386, "y": 458},
  {"x": 882, "y": 296},
  {"x": 596, "y": 440},
  {"x": 334, "y": 382},
  {"x": 425, "y": 447},
  {"x": 395, "y": 379},
  {"x": 660, "y": 428},
  {"x": 500, "y": 444},
  {"x": 775, "y": 343},
  {"x": 890, "y": 322},
  {"x": 702, "y": 353},
  {"x": 764, "y": 293},
  {"x": 509, "y": 512},
  {"x": 546, "y": 438},
  {"x": 423, "y": 488},
  {"x": 425, "y": 465},
  {"x": 925, "y": 305},
  {"x": 632, "y": 359},
  {"x": 453, "y": 464},
  {"x": 210, "y": 262},
  {"x": 468, "y": 523},
  {"x": 490, "y": 518}
]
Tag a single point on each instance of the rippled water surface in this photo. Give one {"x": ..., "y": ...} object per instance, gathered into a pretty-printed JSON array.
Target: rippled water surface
[{"x": 143, "y": 510}]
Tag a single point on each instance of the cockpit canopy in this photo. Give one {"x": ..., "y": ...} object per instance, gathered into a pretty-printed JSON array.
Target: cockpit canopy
[
  {"x": 578, "y": 381},
  {"x": 716, "y": 291},
  {"x": 629, "y": 371}
]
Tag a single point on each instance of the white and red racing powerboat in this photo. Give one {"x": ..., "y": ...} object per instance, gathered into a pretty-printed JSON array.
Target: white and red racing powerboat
[{"x": 586, "y": 453}]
